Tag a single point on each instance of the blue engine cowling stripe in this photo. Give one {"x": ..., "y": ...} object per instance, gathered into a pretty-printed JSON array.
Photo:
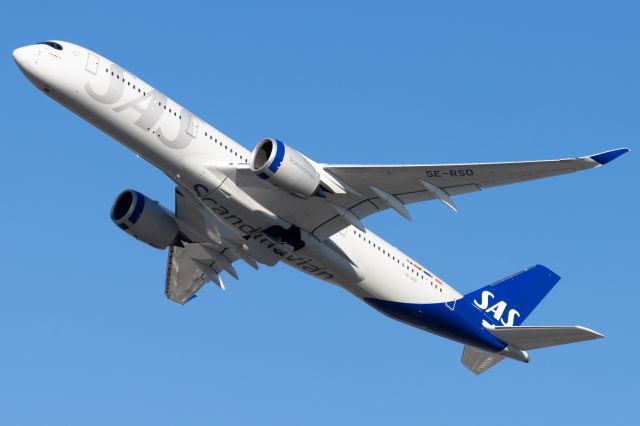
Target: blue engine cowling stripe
[
  {"x": 277, "y": 161},
  {"x": 137, "y": 211}
]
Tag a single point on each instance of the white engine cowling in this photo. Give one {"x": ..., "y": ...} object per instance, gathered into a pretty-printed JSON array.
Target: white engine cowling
[
  {"x": 284, "y": 167},
  {"x": 145, "y": 219}
]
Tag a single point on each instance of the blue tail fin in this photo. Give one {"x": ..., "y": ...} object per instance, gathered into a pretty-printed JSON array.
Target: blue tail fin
[{"x": 509, "y": 301}]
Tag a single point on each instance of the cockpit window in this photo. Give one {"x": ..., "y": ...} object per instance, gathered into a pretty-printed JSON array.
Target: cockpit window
[{"x": 53, "y": 44}]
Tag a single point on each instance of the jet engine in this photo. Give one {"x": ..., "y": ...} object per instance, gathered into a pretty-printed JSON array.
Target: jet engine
[
  {"x": 284, "y": 168},
  {"x": 145, "y": 219}
]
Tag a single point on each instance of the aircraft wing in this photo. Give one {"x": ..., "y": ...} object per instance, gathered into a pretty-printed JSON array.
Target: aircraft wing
[
  {"x": 192, "y": 264},
  {"x": 184, "y": 276},
  {"x": 367, "y": 189}
]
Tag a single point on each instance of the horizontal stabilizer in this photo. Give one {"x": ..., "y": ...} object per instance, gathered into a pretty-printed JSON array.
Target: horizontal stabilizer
[
  {"x": 479, "y": 361},
  {"x": 526, "y": 338}
]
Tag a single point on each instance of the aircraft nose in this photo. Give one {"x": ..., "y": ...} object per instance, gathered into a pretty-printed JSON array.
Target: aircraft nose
[
  {"x": 21, "y": 56},
  {"x": 27, "y": 59}
]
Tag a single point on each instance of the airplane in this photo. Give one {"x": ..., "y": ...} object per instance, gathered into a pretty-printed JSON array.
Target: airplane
[{"x": 275, "y": 205}]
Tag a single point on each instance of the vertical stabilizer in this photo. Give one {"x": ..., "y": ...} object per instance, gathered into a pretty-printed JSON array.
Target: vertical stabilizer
[{"x": 509, "y": 301}]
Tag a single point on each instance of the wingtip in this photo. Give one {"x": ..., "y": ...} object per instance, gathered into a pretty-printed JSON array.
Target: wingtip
[
  {"x": 608, "y": 156},
  {"x": 594, "y": 334}
]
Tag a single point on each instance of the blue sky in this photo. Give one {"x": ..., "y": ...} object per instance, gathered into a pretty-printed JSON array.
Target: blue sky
[{"x": 86, "y": 334}]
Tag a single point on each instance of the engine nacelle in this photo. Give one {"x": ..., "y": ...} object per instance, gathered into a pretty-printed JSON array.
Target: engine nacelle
[
  {"x": 145, "y": 219},
  {"x": 284, "y": 167}
]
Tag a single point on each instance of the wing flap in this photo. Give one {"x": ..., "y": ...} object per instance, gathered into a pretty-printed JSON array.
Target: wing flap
[
  {"x": 184, "y": 277},
  {"x": 203, "y": 255},
  {"x": 191, "y": 266}
]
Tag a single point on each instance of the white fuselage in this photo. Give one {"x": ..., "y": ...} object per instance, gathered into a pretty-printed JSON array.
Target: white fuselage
[{"x": 184, "y": 147}]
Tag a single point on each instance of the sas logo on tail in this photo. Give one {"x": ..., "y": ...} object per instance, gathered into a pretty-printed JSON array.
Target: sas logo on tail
[{"x": 498, "y": 309}]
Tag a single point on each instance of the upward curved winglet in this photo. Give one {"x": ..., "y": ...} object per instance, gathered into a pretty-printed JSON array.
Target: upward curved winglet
[{"x": 608, "y": 156}]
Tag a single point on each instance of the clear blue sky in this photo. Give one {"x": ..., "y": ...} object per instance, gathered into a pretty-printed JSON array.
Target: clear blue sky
[{"x": 86, "y": 335}]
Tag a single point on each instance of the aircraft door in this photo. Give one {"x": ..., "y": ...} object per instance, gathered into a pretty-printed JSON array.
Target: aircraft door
[
  {"x": 194, "y": 125},
  {"x": 92, "y": 63}
]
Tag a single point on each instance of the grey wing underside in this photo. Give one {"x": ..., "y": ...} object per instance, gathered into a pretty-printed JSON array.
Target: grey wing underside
[
  {"x": 189, "y": 268},
  {"x": 367, "y": 189},
  {"x": 204, "y": 254}
]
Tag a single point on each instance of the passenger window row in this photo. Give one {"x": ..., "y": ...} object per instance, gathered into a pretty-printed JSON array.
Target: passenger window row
[
  {"x": 144, "y": 93},
  {"x": 397, "y": 260},
  {"x": 227, "y": 148}
]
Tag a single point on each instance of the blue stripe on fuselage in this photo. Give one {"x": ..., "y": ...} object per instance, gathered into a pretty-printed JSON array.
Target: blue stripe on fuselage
[{"x": 463, "y": 324}]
